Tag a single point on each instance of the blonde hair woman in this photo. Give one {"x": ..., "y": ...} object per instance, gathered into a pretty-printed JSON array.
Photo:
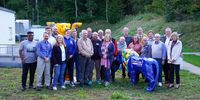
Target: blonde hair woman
[
  {"x": 59, "y": 58},
  {"x": 174, "y": 59},
  {"x": 107, "y": 57}
]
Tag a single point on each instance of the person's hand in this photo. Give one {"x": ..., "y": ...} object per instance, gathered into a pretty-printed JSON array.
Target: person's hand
[
  {"x": 56, "y": 65},
  {"x": 104, "y": 56},
  {"x": 173, "y": 61},
  {"x": 163, "y": 62},
  {"x": 70, "y": 56},
  {"x": 22, "y": 61},
  {"x": 46, "y": 59},
  {"x": 169, "y": 60}
]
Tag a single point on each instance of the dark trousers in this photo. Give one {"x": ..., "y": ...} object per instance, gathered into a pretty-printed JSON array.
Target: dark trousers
[
  {"x": 76, "y": 61},
  {"x": 174, "y": 69},
  {"x": 160, "y": 69},
  {"x": 85, "y": 65},
  {"x": 51, "y": 72},
  {"x": 31, "y": 67},
  {"x": 102, "y": 73},
  {"x": 114, "y": 67},
  {"x": 123, "y": 71},
  {"x": 166, "y": 71},
  {"x": 96, "y": 63},
  {"x": 70, "y": 69}
]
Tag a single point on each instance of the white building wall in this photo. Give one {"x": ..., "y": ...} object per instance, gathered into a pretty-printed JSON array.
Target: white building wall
[{"x": 7, "y": 27}]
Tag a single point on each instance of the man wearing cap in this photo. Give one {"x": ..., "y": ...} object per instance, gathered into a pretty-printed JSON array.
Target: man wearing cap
[{"x": 27, "y": 52}]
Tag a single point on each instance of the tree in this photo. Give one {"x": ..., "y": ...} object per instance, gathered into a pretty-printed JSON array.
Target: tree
[
  {"x": 115, "y": 11},
  {"x": 180, "y": 9},
  {"x": 157, "y": 6}
]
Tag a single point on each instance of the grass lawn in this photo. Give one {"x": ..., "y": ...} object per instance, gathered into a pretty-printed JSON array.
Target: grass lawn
[
  {"x": 187, "y": 49},
  {"x": 10, "y": 80},
  {"x": 193, "y": 59}
]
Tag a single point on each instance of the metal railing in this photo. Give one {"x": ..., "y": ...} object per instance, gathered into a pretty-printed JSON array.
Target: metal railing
[{"x": 9, "y": 51}]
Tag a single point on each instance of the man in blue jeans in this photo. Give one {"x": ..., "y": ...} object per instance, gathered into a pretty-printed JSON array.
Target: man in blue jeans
[
  {"x": 159, "y": 54},
  {"x": 27, "y": 52},
  {"x": 76, "y": 58}
]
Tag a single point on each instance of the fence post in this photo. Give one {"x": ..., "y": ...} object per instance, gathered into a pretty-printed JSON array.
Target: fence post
[{"x": 13, "y": 58}]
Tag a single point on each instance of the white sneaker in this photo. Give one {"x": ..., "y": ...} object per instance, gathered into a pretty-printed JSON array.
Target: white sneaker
[
  {"x": 63, "y": 87},
  {"x": 72, "y": 84},
  {"x": 76, "y": 83},
  {"x": 106, "y": 84},
  {"x": 54, "y": 88},
  {"x": 67, "y": 82},
  {"x": 160, "y": 84}
]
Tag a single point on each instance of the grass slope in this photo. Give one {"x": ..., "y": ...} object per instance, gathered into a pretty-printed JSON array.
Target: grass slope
[
  {"x": 10, "y": 81},
  {"x": 149, "y": 21},
  {"x": 193, "y": 59}
]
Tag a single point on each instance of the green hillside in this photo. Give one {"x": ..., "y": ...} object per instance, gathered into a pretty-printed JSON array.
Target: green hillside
[{"x": 149, "y": 21}]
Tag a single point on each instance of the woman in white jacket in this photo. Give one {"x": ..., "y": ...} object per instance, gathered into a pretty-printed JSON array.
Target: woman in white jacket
[{"x": 174, "y": 59}]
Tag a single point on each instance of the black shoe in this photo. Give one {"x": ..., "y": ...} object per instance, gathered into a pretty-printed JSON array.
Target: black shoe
[
  {"x": 123, "y": 76},
  {"x": 23, "y": 89},
  {"x": 146, "y": 81},
  {"x": 48, "y": 87},
  {"x": 38, "y": 88},
  {"x": 31, "y": 87},
  {"x": 113, "y": 80}
]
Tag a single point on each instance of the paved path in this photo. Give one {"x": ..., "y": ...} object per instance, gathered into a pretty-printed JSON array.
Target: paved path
[
  {"x": 194, "y": 53},
  {"x": 191, "y": 68}
]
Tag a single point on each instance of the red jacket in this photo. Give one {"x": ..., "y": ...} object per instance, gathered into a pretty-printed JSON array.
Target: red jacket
[{"x": 115, "y": 45}]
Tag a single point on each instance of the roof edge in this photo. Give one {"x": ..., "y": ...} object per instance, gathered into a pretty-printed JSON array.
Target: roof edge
[{"x": 7, "y": 10}]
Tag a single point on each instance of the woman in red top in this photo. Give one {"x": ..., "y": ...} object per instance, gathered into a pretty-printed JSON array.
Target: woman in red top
[{"x": 135, "y": 45}]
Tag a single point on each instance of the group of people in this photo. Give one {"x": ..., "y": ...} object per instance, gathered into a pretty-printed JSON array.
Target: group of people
[{"x": 54, "y": 56}]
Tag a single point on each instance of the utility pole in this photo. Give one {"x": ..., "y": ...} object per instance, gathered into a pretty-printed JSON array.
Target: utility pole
[
  {"x": 33, "y": 15},
  {"x": 107, "y": 10},
  {"x": 76, "y": 8},
  {"x": 36, "y": 6},
  {"x": 27, "y": 10}
]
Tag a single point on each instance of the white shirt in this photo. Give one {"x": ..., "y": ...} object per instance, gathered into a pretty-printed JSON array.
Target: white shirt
[
  {"x": 63, "y": 52},
  {"x": 167, "y": 41}
]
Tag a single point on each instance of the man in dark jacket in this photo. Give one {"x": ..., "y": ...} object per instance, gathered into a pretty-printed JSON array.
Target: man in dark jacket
[
  {"x": 166, "y": 39},
  {"x": 128, "y": 38},
  {"x": 96, "y": 56}
]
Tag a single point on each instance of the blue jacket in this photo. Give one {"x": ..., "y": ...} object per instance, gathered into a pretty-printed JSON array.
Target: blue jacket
[{"x": 71, "y": 44}]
